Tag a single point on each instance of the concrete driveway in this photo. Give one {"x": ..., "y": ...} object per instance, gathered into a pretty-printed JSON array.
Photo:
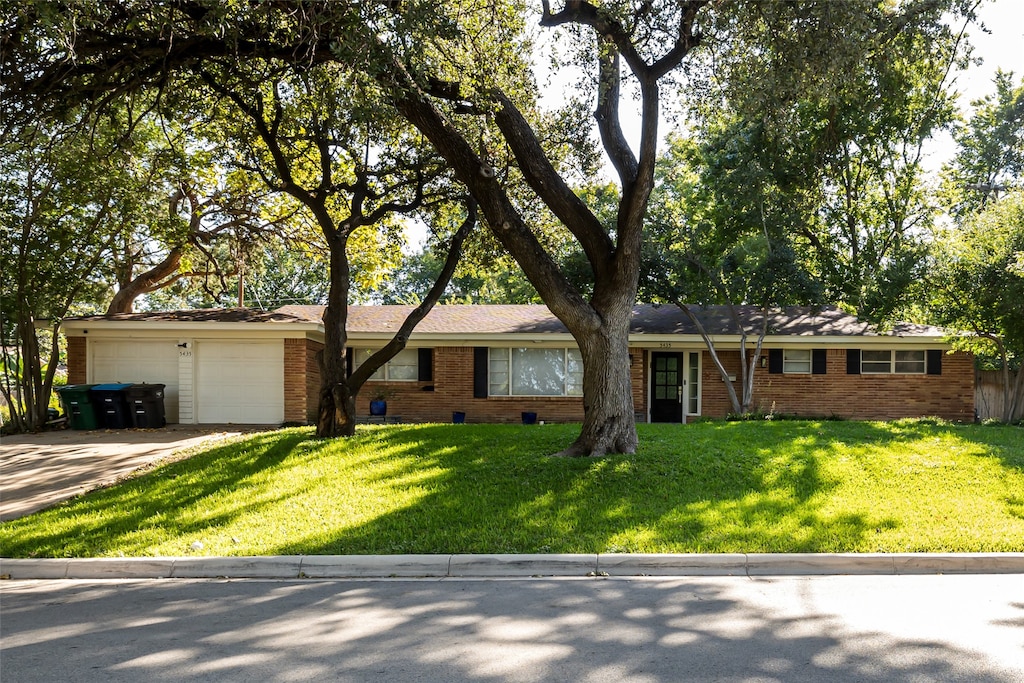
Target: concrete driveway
[{"x": 39, "y": 470}]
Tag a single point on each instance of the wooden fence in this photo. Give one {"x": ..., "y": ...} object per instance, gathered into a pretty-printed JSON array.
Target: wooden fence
[{"x": 988, "y": 395}]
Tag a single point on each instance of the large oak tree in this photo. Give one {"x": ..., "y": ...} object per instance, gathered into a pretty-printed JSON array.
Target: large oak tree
[{"x": 445, "y": 67}]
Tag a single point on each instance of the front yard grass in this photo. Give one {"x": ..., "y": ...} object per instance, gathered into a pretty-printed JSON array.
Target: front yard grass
[{"x": 907, "y": 486}]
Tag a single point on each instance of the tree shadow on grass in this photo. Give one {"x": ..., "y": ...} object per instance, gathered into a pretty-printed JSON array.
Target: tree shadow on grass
[
  {"x": 709, "y": 488},
  {"x": 712, "y": 487}
]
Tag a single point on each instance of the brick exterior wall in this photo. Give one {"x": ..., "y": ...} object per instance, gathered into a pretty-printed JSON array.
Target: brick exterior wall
[
  {"x": 452, "y": 390},
  {"x": 76, "y": 359},
  {"x": 301, "y": 380},
  {"x": 864, "y": 397},
  {"x": 638, "y": 368},
  {"x": 949, "y": 395},
  {"x": 312, "y": 380}
]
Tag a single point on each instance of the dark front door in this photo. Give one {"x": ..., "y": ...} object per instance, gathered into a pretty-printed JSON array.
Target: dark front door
[{"x": 666, "y": 387}]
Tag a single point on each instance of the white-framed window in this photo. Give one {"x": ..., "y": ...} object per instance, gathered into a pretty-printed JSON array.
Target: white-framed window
[
  {"x": 796, "y": 361},
  {"x": 535, "y": 372},
  {"x": 693, "y": 384},
  {"x": 404, "y": 367},
  {"x": 891, "y": 361}
]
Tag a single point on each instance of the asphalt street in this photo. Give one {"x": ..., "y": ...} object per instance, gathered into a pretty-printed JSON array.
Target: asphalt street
[{"x": 600, "y": 630}]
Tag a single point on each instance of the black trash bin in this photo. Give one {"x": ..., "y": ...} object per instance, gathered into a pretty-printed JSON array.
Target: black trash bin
[
  {"x": 112, "y": 406},
  {"x": 146, "y": 403},
  {"x": 78, "y": 406}
]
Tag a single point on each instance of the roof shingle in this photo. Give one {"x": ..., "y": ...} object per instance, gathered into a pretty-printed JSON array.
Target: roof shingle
[
  {"x": 493, "y": 319},
  {"x": 647, "y": 319}
]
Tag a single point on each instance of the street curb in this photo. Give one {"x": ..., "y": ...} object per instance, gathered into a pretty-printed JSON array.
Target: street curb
[{"x": 507, "y": 566}]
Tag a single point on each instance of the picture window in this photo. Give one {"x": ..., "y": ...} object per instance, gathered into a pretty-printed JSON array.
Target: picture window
[{"x": 535, "y": 372}]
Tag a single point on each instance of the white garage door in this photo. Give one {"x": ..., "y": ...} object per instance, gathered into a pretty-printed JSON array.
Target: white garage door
[
  {"x": 135, "y": 362},
  {"x": 239, "y": 382}
]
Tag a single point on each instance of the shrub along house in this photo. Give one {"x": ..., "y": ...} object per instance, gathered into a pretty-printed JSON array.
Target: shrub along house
[{"x": 493, "y": 363}]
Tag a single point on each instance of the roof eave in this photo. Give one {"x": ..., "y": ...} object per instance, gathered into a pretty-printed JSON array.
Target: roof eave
[{"x": 178, "y": 326}]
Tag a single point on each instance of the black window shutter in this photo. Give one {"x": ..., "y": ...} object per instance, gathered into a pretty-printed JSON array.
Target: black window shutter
[
  {"x": 480, "y": 372},
  {"x": 819, "y": 361},
  {"x": 852, "y": 361},
  {"x": 934, "y": 361},
  {"x": 348, "y": 362},
  {"x": 426, "y": 365},
  {"x": 775, "y": 361}
]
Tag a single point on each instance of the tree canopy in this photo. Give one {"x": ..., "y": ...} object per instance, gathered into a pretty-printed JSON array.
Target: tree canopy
[
  {"x": 460, "y": 75},
  {"x": 66, "y": 194},
  {"x": 977, "y": 286},
  {"x": 990, "y": 150}
]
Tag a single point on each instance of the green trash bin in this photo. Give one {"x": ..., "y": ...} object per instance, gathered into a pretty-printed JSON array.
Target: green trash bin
[{"x": 78, "y": 406}]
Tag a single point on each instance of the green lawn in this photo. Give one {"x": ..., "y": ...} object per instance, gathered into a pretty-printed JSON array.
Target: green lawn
[{"x": 709, "y": 487}]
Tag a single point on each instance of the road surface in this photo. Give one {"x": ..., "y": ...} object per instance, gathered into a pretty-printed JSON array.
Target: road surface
[{"x": 642, "y": 630}]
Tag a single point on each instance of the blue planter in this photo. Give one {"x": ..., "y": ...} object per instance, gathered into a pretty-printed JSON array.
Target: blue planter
[
  {"x": 458, "y": 417},
  {"x": 378, "y": 407},
  {"x": 529, "y": 418}
]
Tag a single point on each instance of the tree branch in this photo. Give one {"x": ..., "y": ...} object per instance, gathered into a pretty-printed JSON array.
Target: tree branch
[
  {"x": 607, "y": 116},
  {"x": 506, "y": 223},
  {"x": 549, "y": 185},
  {"x": 401, "y": 337}
]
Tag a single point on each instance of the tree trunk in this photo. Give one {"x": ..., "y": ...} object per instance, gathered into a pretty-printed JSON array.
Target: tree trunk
[
  {"x": 337, "y": 408},
  {"x": 600, "y": 326},
  {"x": 337, "y": 412},
  {"x": 734, "y": 400},
  {"x": 35, "y": 398},
  {"x": 749, "y": 367},
  {"x": 340, "y": 384},
  {"x": 609, "y": 424}
]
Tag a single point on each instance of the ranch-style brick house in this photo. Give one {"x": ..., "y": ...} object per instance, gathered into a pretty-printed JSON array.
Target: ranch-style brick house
[{"x": 494, "y": 362}]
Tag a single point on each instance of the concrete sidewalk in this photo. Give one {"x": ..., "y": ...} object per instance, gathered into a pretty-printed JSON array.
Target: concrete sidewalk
[
  {"x": 39, "y": 470},
  {"x": 508, "y": 566}
]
